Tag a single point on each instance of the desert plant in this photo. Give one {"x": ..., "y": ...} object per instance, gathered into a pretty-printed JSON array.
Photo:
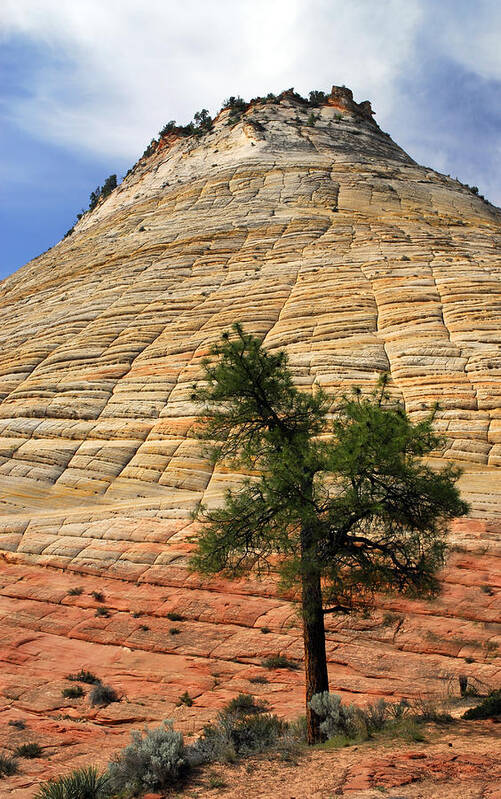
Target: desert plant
[
  {"x": 102, "y": 695},
  {"x": 18, "y": 723},
  {"x": 8, "y": 766},
  {"x": 317, "y": 98},
  {"x": 489, "y": 708},
  {"x": 185, "y": 699},
  {"x": 76, "y": 591},
  {"x": 168, "y": 128},
  {"x": 84, "y": 783},
  {"x": 152, "y": 762},
  {"x": 102, "y": 611},
  {"x": 29, "y": 751},
  {"x": 97, "y": 595},
  {"x": 335, "y": 718},
  {"x": 312, "y": 120},
  {"x": 341, "y": 517},
  {"x": 265, "y": 630},
  {"x": 259, "y": 679},
  {"x": 175, "y": 631},
  {"x": 279, "y": 662},
  {"x": 84, "y": 676},
  {"x": 216, "y": 782},
  {"x": 172, "y": 616},
  {"x": 73, "y": 692},
  {"x": 245, "y": 705}
]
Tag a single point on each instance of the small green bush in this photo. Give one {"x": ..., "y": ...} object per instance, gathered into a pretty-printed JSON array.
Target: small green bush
[
  {"x": 30, "y": 751},
  {"x": 259, "y": 679},
  {"x": 84, "y": 676},
  {"x": 8, "y": 766},
  {"x": 85, "y": 783},
  {"x": 73, "y": 692},
  {"x": 102, "y": 611},
  {"x": 245, "y": 705},
  {"x": 489, "y": 708},
  {"x": 77, "y": 591},
  {"x": 102, "y": 695},
  {"x": 154, "y": 761},
  {"x": 265, "y": 630},
  {"x": 175, "y": 616},
  {"x": 185, "y": 699},
  {"x": 97, "y": 595},
  {"x": 279, "y": 662},
  {"x": 317, "y": 98},
  {"x": 175, "y": 631},
  {"x": 256, "y": 733}
]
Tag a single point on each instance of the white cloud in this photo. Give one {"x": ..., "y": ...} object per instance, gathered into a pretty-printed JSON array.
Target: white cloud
[{"x": 117, "y": 70}]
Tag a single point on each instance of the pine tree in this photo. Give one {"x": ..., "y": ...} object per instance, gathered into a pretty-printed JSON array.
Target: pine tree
[{"x": 341, "y": 516}]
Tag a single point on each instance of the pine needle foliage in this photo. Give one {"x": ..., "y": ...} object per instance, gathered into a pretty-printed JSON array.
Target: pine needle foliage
[{"x": 337, "y": 499}]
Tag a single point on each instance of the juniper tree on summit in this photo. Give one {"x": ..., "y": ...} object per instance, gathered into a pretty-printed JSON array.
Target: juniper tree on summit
[{"x": 340, "y": 516}]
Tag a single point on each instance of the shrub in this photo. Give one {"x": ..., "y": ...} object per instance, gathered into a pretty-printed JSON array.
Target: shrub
[
  {"x": 312, "y": 120},
  {"x": 84, "y": 783},
  {"x": 8, "y": 766},
  {"x": 490, "y": 708},
  {"x": 175, "y": 631},
  {"x": 29, "y": 751},
  {"x": 256, "y": 733},
  {"x": 259, "y": 679},
  {"x": 317, "y": 98},
  {"x": 18, "y": 723},
  {"x": 279, "y": 662},
  {"x": 337, "y": 719},
  {"x": 84, "y": 676},
  {"x": 245, "y": 705},
  {"x": 97, "y": 595},
  {"x": 185, "y": 699},
  {"x": 153, "y": 761},
  {"x": 73, "y": 692},
  {"x": 265, "y": 630},
  {"x": 168, "y": 128},
  {"x": 425, "y": 710},
  {"x": 102, "y": 695},
  {"x": 237, "y": 104},
  {"x": 102, "y": 611},
  {"x": 77, "y": 591},
  {"x": 175, "y": 617}
]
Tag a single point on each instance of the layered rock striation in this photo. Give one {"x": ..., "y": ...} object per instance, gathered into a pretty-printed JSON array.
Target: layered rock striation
[{"x": 325, "y": 238}]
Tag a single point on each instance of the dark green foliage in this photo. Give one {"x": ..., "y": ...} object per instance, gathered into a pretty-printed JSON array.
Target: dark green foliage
[
  {"x": 8, "y": 766},
  {"x": 152, "y": 146},
  {"x": 102, "y": 695},
  {"x": 259, "y": 679},
  {"x": 69, "y": 232},
  {"x": 255, "y": 733},
  {"x": 245, "y": 705},
  {"x": 175, "y": 616},
  {"x": 312, "y": 120},
  {"x": 279, "y": 662},
  {"x": 236, "y": 104},
  {"x": 97, "y": 595},
  {"x": 317, "y": 98},
  {"x": 85, "y": 783},
  {"x": 30, "y": 751},
  {"x": 489, "y": 708},
  {"x": 76, "y": 591},
  {"x": 170, "y": 127},
  {"x": 102, "y": 611},
  {"x": 73, "y": 692},
  {"x": 376, "y": 513},
  {"x": 265, "y": 630},
  {"x": 203, "y": 122},
  {"x": 154, "y": 761},
  {"x": 101, "y": 192},
  {"x": 144, "y": 628},
  {"x": 84, "y": 676},
  {"x": 175, "y": 631},
  {"x": 185, "y": 699}
]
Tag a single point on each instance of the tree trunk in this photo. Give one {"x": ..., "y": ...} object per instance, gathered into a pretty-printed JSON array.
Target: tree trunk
[{"x": 315, "y": 660}]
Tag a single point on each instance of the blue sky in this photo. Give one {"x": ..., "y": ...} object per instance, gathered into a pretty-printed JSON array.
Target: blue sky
[{"x": 85, "y": 85}]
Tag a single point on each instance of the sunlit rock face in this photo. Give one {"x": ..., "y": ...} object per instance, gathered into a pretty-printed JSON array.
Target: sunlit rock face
[{"x": 325, "y": 239}]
